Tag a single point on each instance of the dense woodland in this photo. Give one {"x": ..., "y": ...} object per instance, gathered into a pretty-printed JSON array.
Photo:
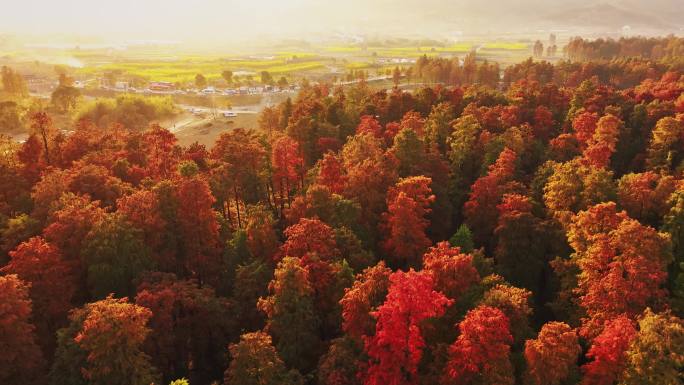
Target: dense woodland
[
  {"x": 668, "y": 48},
  {"x": 523, "y": 231}
]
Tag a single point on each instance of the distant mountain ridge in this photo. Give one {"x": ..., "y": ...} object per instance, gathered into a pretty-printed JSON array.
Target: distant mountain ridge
[
  {"x": 655, "y": 16},
  {"x": 612, "y": 16}
]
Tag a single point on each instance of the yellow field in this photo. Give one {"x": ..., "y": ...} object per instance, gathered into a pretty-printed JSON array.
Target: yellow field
[
  {"x": 294, "y": 62},
  {"x": 409, "y": 52},
  {"x": 185, "y": 69},
  {"x": 506, "y": 46},
  {"x": 358, "y": 65}
]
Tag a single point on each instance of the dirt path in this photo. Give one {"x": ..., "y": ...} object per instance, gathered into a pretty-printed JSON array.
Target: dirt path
[{"x": 204, "y": 128}]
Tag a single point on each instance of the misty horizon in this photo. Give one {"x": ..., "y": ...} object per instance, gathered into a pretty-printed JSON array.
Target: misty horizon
[{"x": 212, "y": 22}]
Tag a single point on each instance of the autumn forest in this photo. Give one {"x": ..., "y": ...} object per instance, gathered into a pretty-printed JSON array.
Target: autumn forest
[{"x": 521, "y": 224}]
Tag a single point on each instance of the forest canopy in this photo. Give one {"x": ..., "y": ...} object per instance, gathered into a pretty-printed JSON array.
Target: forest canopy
[{"x": 523, "y": 229}]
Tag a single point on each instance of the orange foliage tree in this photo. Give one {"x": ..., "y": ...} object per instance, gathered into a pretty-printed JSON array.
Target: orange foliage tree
[{"x": 408, "y": 204}]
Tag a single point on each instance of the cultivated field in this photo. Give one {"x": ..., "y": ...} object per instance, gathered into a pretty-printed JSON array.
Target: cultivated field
[{"x": 325, "y": 62}]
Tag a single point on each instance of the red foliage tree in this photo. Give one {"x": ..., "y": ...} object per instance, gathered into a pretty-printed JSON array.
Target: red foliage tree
[
  {"x": 482, "y": 350},
  {"x": 52, "y": 284},
  {"x": 160, "y": 149},
  {"x": 288, "y": 167},
  {"x": 198, "y": 228},
  {"x": 21, "y": 361},
  {"x": 369, "y": 125},
  {"x": 563, "y": 147},
  {"x": 397, "y": 346},
  {"x": 95, "y": 181},
  {"x": 30, "y": 155},
  {"x": 412, "y": 120},
  {"x": 510, "y": 116},
  {"x": 309, "y": 236},
  {"x": 452, "y": 271},
  {"x": 584, "y": 126},
  {"x": 543, "y": 123},
  {"x": 608, "y": 352},
  {"x": 361, "y": 300},
  {"x": 331, "y": 173},
  {"x": 391, "y": 130},
  {"x": 622, "y": 263},
  {"x": 602, "y": 144},
  {"x": 197, "y": 153},
  {"x": 84, "y": 140},
  {"x": 416, "y": 188},
  {"x": 68, "y": 227},
  {"x": 480, "y": 210},
  {"x": 142, "y": 209}
]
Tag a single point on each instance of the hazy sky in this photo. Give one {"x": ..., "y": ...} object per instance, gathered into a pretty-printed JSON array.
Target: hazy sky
[
  {"x": 249, "y": 19},
  {"x": 182, "y": 19}
]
